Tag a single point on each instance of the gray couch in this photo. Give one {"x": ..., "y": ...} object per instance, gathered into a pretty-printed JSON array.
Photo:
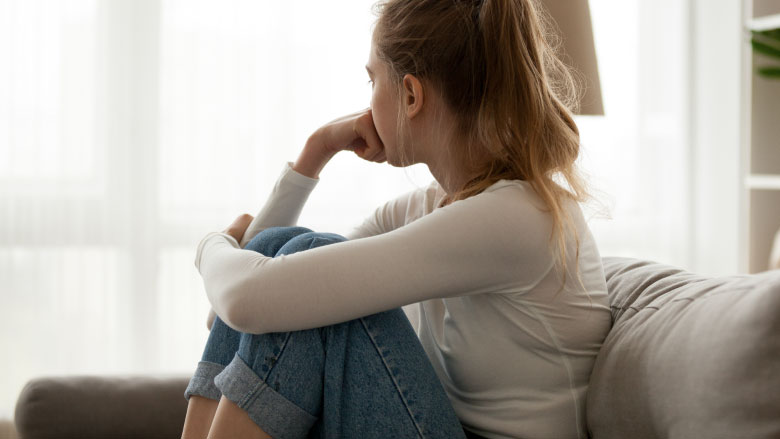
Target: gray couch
[{"x": 688, "y": 356}]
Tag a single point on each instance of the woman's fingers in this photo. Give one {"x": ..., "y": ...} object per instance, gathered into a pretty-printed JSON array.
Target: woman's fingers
[
  {"x": 364, "y": 127},
  {"x": 354, "y": 132},
  {"x": 239, "y": 226}
]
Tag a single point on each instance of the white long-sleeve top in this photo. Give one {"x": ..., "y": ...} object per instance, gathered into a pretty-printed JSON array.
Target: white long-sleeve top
[{"x": 513, "y": 356}]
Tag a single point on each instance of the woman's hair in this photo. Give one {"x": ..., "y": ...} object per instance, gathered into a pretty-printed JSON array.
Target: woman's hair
[{"x": 493, "y": 63}]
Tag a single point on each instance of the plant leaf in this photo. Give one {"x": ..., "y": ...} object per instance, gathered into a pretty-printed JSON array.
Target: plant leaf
[
  {"x": 771, "y": 34},
  {"x": 769, "y": 72},
  {"x": 765, "y": 49}
]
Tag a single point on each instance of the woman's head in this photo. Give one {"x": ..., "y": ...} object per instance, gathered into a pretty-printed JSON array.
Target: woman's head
[
  {"x": 508, "y": 98},
  {"x": 410, "y": 100}
]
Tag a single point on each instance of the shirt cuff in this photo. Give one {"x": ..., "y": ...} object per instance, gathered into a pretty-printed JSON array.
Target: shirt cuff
[
  {"x": 297, "y": 178},
  {"x": 224, "y": 237}
]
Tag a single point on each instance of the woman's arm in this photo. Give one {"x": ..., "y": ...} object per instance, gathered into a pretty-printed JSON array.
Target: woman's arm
[
  {"x": 313, "y": 157},
  {"x": 478, "y": 245},
  {"x": 354, "y": 132},
  {"x": 284, "y": 205}
]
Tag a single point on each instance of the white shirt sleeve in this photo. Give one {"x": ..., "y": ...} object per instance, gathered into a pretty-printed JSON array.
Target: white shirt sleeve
[
  {"x": 285, "y": 203},
  {"x": 456, "y": 250},
  {"x": 282, "y": 208}
]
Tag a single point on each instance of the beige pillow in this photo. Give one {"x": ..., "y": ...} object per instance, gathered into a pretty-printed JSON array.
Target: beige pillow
[{"x": 688, "y": 356}]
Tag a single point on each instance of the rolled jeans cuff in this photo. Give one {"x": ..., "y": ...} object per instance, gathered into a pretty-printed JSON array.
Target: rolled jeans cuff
[
  {"x": 202, "y": 382},
  {"x": 275, "y": 414}
]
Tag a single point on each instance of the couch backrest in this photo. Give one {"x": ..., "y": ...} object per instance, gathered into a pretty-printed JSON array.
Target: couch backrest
[{"x": 688, "y": 356}]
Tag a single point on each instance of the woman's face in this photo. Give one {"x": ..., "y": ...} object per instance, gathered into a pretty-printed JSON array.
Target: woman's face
[{"x": 384, "y": 108}]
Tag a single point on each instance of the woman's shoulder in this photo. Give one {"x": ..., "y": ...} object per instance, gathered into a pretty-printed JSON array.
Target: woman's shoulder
[
  {"x": 513, "y": 207},
  {"x": 508, "y": 197},
  {"x": 423, "y": 200},
  {"x": 513, "y": 204},
  {"x": 521, "y": 194},
  {"x": 408, "y": 206}
]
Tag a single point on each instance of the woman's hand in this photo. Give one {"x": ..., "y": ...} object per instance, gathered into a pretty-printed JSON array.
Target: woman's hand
[
  {"x": 354, "y": 132},
  {"x": 239, "y": 226},
  {"x": 210, "y": 319},
  {"x": 236, "y": 230}
]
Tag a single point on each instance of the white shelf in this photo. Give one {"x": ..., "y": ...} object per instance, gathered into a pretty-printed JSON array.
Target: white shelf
[
  {"x": 763, "y": 181},
  {"x": 764, "y": 23},
  {"x": 760, "y": 146}
]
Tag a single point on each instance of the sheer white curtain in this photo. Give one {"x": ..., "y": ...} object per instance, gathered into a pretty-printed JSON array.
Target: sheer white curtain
[
  {"x": 637, "y": 154},
  {"x": 131, "y": 128}
]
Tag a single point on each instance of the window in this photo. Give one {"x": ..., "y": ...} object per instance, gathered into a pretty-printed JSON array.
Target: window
[{"x": 129, "y": 130}]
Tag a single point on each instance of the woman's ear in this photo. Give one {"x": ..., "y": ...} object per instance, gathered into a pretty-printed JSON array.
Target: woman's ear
[{"x": 413, "y": 95}]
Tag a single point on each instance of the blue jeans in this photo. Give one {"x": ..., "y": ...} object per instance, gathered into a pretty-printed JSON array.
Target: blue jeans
[{"x": 364, "y": 378}]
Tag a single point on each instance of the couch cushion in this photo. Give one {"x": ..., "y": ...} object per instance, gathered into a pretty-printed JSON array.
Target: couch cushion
[
  {"x": 688, "y": 356},
  {"x": 102, "y": 407}
]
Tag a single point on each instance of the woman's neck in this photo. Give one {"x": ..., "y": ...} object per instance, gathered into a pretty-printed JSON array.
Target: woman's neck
[{"x": 451, "y": 175}]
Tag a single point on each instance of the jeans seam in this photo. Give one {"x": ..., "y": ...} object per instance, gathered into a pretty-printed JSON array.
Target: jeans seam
[
  {"x": 254, "y": 393},
  {"x": 251, "y": 395},
  {"x": 276, "y": 357},
  {"x": 392, "y": 377}
]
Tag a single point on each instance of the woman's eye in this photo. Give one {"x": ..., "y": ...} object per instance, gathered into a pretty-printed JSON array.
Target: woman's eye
[{"x": 370, "y": 82}]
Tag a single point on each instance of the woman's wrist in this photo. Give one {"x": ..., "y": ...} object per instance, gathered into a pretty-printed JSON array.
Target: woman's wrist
[{"x": 313, "y": 157}]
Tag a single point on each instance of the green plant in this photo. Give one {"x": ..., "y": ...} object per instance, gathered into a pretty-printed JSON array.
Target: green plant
[{"x": 767, "y": 43}]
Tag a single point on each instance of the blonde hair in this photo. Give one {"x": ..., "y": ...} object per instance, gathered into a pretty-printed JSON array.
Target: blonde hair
[{"x": 494, "y": 64}]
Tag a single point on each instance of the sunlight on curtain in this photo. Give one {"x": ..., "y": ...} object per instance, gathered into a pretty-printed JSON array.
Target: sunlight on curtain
[
  {"x": 60, "y": 292},
  {"x": 637, "y": 154},
  {"x": 48, "y": 58},
  {"x": 129, "y": 129}
]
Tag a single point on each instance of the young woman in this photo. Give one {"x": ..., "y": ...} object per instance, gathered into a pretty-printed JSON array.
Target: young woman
[{"x": 310, "y": 339}]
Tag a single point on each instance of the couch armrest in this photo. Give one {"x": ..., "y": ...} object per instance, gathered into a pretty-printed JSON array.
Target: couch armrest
[{"x": 102, "y": 406}]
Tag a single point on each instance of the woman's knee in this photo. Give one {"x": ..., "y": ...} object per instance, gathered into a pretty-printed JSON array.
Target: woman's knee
[
  {"x": 305, "y": 241},
  {"x": 270, "y": 240}
]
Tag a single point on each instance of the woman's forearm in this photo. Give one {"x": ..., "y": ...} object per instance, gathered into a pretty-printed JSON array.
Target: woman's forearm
[{"x": 313, "y": 157}]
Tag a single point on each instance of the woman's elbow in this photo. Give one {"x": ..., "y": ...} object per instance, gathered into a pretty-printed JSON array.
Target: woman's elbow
[{"x": 240, "y": 317}]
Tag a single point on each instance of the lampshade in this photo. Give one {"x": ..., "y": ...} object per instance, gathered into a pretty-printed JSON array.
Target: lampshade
[{"x": 573, "y": 20}]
